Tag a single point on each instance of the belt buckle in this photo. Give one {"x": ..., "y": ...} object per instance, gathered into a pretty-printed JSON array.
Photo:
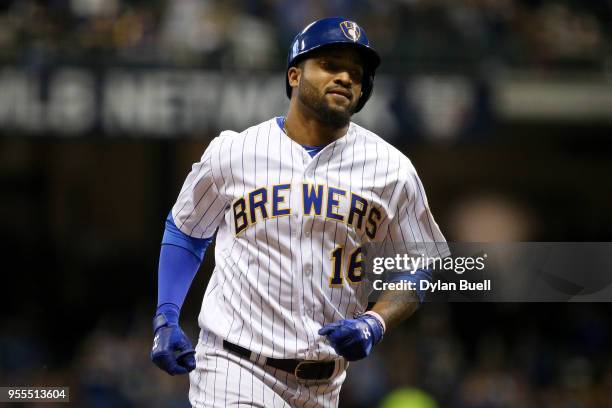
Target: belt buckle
[
  {"x": 296, "y": 371},
  {"x": 298, "y": 367}
]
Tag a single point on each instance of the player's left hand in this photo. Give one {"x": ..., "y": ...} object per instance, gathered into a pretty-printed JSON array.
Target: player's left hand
[
  {"x": 172, "y": 351},
  {"x": 354, "y": 339}
]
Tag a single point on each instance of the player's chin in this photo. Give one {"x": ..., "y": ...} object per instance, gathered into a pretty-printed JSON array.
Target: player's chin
[{"x": 341, "y": 109}]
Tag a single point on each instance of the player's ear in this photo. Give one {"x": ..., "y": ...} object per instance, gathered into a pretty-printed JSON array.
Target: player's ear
[{"x": 293, "y": 75}]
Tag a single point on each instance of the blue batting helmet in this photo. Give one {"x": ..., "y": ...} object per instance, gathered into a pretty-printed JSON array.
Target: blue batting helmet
[{"x": 335, "y": 30}]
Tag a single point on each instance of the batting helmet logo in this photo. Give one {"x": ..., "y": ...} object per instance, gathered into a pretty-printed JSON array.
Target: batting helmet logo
[{"x": 351, "y": 30}]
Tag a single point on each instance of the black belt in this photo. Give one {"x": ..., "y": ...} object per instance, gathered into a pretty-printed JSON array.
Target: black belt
[{"x": 302, "y": 369}]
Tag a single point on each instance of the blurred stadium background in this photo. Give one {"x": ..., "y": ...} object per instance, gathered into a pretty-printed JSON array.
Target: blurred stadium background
[{"x": 505, "y": 108}]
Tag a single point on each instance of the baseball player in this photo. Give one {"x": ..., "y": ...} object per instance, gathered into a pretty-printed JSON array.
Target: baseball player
[{"x": 291, "y": 202}]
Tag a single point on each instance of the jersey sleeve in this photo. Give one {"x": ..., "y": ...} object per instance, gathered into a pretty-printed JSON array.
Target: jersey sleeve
[
  {"x": 200, "y": 207},
  {"x": 413, "y": 229}
]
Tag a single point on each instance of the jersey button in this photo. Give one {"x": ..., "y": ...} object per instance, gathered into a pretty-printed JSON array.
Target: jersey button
[
  {"x": 306, "y": 233},
  {"x": 307, "y": 270}
]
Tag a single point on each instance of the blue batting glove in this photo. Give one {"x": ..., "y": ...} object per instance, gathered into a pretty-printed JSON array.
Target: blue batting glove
[
  {"x": 172, "y": 351},
  {"x": 354, "y": 339}
]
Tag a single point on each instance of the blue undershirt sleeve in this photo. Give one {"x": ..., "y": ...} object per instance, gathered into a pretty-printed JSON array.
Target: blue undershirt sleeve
[
  {"x": 176, "y": 237},
  {"x": 179, "y": 260}
]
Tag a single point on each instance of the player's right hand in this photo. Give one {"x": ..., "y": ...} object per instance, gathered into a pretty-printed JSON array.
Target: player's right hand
[
  {"x": 172, "y": 351},
  {"x": 354, "y": 339}
]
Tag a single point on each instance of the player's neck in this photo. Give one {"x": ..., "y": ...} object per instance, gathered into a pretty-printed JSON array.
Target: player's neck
[{"x": 308, "y": 130}]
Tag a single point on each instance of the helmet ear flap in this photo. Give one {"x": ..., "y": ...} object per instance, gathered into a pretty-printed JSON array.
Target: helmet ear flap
[{"x": 366, "y": 91}]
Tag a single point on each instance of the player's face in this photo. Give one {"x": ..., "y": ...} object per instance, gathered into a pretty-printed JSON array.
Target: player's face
[{"x": 330, "y": 84}]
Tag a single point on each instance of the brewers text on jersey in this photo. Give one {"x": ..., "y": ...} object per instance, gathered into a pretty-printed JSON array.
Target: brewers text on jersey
[{"x": 278, "y": 269}]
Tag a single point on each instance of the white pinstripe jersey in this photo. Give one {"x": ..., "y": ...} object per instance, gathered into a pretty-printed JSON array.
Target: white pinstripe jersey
[{"x": 289, "y": 228}]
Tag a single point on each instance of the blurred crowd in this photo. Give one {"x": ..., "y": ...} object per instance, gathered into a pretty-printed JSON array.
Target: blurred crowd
[
  {"x": 456, "y": 356},
  {"x": 254, "y": 34}
]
